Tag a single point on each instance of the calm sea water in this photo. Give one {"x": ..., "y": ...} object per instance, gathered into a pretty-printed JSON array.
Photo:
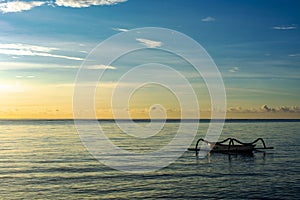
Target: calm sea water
[{"x": 46, "y": 159}]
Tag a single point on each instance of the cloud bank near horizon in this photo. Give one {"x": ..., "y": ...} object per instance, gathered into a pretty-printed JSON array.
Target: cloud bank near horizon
[{"x": 265, "y": 109}]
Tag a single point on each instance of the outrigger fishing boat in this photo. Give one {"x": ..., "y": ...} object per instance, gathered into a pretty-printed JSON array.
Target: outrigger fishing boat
[{"x": 233, "y": 146}]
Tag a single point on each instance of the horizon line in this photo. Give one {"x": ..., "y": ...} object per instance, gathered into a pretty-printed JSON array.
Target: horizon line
[{"x": 148, "y": 119}]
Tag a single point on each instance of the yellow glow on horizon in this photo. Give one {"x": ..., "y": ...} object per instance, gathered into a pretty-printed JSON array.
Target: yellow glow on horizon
[{"x": 20, "y": 101}]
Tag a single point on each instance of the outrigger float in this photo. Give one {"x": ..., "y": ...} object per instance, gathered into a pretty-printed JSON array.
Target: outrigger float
[{"x": 233, "y": 146}]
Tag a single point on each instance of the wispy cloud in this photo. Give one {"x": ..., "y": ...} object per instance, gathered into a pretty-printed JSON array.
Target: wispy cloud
[
  {"x": 120, "y": 29},
  {"x": 86, "y": 3},
  {"x": 23, "y": 77},
  {"x": 284, "y": 27},
  {"x": 260, "y": 91},
  {"x": 208, "y": 19},
  {"x": 29, "y": 65},
  {"x": 31, "y": 50},
  {"x": 149, "y": 43},
  {"x": 27, "y": 47},
  {"x": 100, "y": 67},
  {"x": 19, "y": 6},
  {"x": 295, "y": 55},
  {"x": 234, "y": 69}
]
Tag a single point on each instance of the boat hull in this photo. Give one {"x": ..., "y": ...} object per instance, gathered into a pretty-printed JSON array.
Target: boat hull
[
  {"x": 229, "y": 149},
  {"x": 220, "y": 148}
]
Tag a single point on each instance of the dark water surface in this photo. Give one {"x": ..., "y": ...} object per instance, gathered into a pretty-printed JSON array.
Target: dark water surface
[{"x": 46, "y": 159}]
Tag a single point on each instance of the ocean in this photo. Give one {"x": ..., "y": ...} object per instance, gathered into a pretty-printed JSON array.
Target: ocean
[{"x": 45, "y": 159}]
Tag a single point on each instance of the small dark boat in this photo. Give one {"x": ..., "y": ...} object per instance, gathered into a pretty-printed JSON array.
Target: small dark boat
[{"x": 233, "y": 146}]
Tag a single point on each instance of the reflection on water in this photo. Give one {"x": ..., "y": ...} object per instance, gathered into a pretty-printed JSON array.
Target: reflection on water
[
  {"x": 45, "y": 159},
  {"x": 236, "y": 158}
]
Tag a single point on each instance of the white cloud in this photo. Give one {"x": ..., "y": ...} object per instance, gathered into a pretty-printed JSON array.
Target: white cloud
[
  {"x": 120, "y": 29},
  {"x": 31, "y": 50},
  {"x": 208, "y": 19},
  {"x": 86, "y": 3},
  {"x": 149, "y": 43},
  {"x": 19, "y": 6},
  {"x": 234, "y": 69},
  {"x": 100, "y": 67},
  {"x": 284, "y": 27}
]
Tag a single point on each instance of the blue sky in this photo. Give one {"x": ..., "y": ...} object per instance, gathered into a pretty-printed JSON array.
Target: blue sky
[{"x": 255, "y": 44}]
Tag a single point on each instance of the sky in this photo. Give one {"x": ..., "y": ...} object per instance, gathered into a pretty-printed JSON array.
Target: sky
[{"x": 255, "y": 45}]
